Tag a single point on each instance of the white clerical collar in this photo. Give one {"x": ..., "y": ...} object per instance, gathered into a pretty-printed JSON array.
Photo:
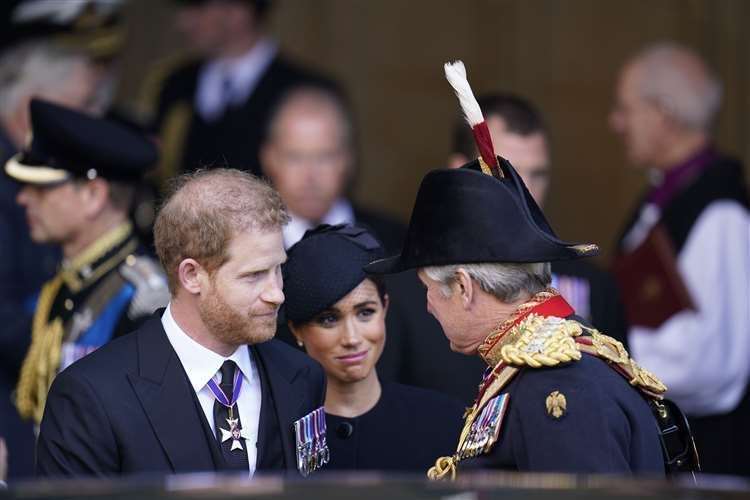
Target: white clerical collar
[
  {"x": 241, "y": 74},
  {"x": 341, "y": 212},
  {"x": 199, "y": 362}
]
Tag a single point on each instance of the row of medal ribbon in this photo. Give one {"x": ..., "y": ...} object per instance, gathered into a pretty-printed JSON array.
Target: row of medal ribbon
[
  {"x": 486, "y": 428},
  {"x": 312, "y": 448}
]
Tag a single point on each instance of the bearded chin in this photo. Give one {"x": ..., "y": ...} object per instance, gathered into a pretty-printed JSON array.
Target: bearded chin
[{"x": 231, "y": 327}]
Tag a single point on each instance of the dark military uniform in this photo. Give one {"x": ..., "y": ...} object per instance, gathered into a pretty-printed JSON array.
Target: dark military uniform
[
  {"x": 106, "y": 289},
  {"x": 102, "y": 295},
  {"x": 551, "y": 403}
]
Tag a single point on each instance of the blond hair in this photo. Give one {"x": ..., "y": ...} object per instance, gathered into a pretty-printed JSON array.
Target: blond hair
[{"x": 204, "y": 210}]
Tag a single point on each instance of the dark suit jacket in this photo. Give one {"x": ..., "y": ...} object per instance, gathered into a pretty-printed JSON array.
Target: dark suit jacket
[
  {"x": 233, "y": 140},
  {"x": 129, "y": 408}
]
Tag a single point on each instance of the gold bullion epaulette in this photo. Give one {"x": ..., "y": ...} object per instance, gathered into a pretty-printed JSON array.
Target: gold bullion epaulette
[{"x": 538, "y": 341}]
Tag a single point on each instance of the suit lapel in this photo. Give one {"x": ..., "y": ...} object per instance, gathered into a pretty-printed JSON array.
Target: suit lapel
[
  {"x": 170, "y": 402},
  {"x": 288, "y": 388}
]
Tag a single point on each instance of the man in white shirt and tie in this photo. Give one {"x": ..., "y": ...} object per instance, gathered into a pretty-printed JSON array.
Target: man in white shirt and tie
[{"x": 201, "y": 386}]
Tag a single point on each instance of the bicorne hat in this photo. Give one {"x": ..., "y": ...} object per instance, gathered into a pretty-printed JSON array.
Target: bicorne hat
[{"x": 479, "y": 213}]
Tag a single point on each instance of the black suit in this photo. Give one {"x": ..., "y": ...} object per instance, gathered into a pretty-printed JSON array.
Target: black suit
[
  {"x": 233, "y": 139},
  {"x": 129, "y": 408}
]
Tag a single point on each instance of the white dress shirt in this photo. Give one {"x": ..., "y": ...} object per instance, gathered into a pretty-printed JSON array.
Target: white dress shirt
[
  {"x": 340, "y": 213},
  {"x": 201, "y": 364},
  {"x": 226, "y": 82}
]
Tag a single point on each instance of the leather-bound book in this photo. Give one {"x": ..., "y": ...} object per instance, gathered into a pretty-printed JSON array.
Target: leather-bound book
[{"x": 651, "y": 286}]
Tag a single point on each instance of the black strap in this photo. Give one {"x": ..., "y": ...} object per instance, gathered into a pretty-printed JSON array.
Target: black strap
[{"x": 677, "y": 443}]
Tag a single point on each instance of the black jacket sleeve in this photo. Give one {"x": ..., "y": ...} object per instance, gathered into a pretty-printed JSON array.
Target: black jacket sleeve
[{"x": 75, "y": 437}]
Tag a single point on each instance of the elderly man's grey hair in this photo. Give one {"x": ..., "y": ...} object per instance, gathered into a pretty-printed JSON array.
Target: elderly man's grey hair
[
  {"x": 34, "y": 68},
  {"x": 505, "y": 281},
  {"x": 677, "y": 80}
]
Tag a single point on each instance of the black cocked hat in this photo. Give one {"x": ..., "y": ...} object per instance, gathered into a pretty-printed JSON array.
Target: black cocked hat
[
  {"x": 324, "y": 266},
  {"x": 464, "y": 216},
  {"x": 69, "y": 144},
  {"x": 479, "y": 213}
]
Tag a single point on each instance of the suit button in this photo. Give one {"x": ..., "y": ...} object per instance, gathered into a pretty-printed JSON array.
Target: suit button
[{"x": 344, "y": 430}]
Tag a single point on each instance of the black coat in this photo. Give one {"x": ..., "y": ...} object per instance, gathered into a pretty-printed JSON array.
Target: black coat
[
  {"x": 129, "y": 408},
  {"x": 234, "y": 139},
  {"x": 407, "y": 430}
]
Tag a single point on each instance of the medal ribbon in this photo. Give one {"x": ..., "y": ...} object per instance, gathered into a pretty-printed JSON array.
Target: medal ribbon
[{"x": 219, "y": 394}]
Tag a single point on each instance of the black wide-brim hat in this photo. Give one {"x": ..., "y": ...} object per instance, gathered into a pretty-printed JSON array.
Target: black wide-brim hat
[
  {"x": 465, "y": 216},
  {"x": 68, "y": 144}
]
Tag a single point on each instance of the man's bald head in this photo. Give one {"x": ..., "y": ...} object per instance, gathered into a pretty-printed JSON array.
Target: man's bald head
[
  {"x": 311, "y": 103},
  {"x": 205, "y": 210},
  {"x": 680, "y": 82},
  {"x": 665, "y": 103},
  {"x": 308, "y": 152}
]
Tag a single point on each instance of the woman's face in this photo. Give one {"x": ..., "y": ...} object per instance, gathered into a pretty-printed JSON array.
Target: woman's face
[{"x": 348, "y": 338}]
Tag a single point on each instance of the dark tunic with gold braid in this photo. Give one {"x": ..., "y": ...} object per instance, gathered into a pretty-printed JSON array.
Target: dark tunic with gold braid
[
  {"x": 558, "y": 397},
  {"x": 103, "y": 293}
]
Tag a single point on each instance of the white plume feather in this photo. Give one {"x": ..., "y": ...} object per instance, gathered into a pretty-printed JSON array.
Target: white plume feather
[{"x": 456, "y": 74}]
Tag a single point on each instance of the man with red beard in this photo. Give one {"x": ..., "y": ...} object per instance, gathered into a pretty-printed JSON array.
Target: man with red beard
[{"x": 201, "y": 386}]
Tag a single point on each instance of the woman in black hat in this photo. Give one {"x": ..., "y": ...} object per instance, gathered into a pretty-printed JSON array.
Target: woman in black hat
[{"x": 337, "y": 313}]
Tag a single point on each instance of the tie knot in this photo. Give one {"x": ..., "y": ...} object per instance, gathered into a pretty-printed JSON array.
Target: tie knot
[{"x": 227, "y": 371}]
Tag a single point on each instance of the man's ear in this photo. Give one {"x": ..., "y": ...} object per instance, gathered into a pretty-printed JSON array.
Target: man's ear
[
  {"x": 464, "y": 286},
  {"x": 94, "y": 195},
  {"x": 191, "y": 276}
]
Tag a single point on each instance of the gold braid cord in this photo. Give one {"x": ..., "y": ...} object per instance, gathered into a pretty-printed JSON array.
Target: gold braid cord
[
  {"x": 443, "y": 467},
  {"x": 43, "y": 359},
  {"x": 41, "y": 363},
  {"x": 613, "y": 352}
]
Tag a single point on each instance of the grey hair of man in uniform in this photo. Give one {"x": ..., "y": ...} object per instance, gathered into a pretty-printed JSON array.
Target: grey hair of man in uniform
[
  {"x": 34, "y": 68},
  {"x": 677, "y": 80},
  {"x": 505, "y": 281}
]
